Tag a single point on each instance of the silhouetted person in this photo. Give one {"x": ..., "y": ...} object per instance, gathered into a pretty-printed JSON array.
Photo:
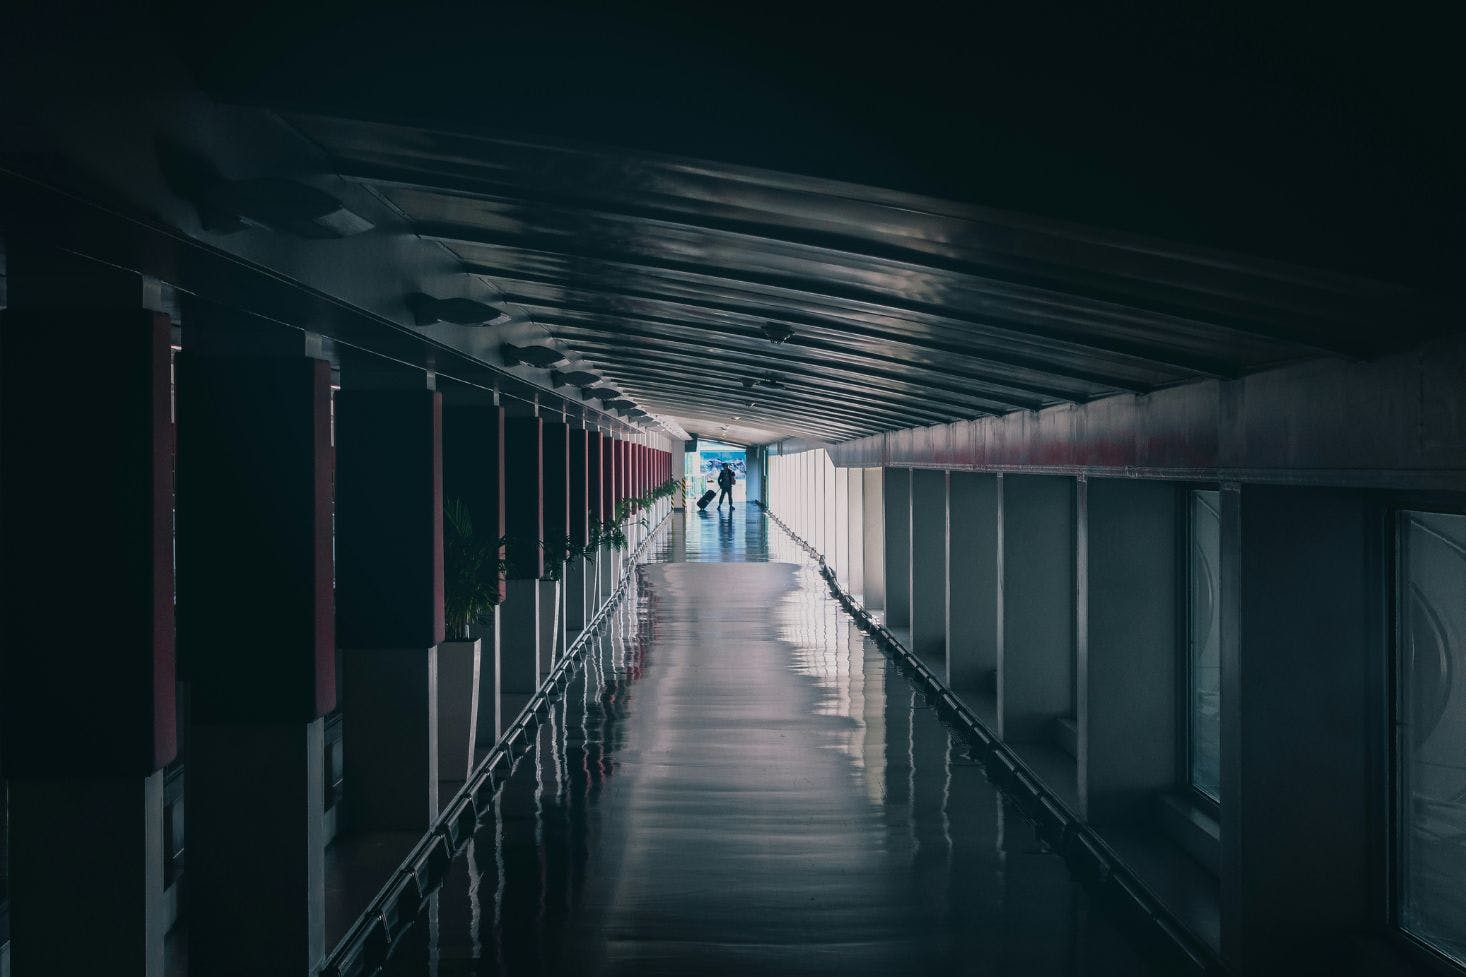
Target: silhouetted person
[{"x": 726, "y": 478}]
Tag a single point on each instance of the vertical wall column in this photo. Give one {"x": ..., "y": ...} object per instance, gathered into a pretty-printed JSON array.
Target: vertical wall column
[
  {"x": 840, "y": 534},
  {"x": 578, "y": 571},
  {"x": 830, "y": 498},
  {"x": 896, "y": 491},
  {"x": 1036, "y": 656},
  {"x": 974, "y": 587},
  {"x": 524, "y": 517},
  {"x": 473, "y": 475},
  {"x": 255, "y": 513},
  {"x": 595, "y": 453},
  {"x": 1300, "y": 616},
  {"x": 754, "y": 488},
  {"x": 1128, "y": 647},
  {"x": 89, "y": 709},
  {"x": 556, "y": 449},
  {"x": 929, "y": 566},
  {"x": 855, "y": 530},
  {"x": 873, "y": 530},
  {"x": 389, "y": 588},
  {"x": 606, "y": 559},
  {"x": 676, "y": 465}
]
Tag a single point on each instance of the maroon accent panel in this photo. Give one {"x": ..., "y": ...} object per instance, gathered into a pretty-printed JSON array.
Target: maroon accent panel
[
  {"x": 556, "y": 435},
  {"x": 524, "y": 509},
  {"x": 86, "y": 688},
  {"x": 325, "y": 509},
  {"x": 389, "y": 572},
  {"x": 580, "y": 482},
  {"x": 440, "y": 617}
]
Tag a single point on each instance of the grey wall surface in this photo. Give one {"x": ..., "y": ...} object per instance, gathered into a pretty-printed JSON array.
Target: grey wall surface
[
  {"x": 855, "y": 528},
  {"x": 1395, "y": 421},
  {"x": 1036, "y": 658},
  {"x": 897, "y": 490},
  {"x": 1302, "y": 654},
  {"x": 974, "y": 625},
  {"x": 873, "y": 522},
  {"x": 1128, "y": 649},
  {"x": 929, "y": 564}
]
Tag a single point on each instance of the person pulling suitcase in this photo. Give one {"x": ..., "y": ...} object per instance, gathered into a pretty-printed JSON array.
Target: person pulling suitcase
[{"x": 726, "y": 480}]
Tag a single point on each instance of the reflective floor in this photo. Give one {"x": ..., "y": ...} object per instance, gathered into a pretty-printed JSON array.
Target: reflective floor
[{"x": 739, "y": 782}]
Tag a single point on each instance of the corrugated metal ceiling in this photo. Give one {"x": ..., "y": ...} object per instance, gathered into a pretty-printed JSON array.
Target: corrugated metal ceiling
[{"x": 661, "y": 274}]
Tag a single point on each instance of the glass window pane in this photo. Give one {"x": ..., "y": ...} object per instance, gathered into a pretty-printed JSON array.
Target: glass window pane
[
  {"x": 1205, "y": 664},
  {"x": 1431, "y": 748}
]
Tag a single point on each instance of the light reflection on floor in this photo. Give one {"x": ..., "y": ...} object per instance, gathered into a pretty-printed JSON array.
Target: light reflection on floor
[{"x": 739, "y": 782}]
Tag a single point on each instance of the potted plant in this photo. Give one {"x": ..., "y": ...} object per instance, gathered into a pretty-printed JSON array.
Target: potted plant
[{"x": 471, "y": 570}]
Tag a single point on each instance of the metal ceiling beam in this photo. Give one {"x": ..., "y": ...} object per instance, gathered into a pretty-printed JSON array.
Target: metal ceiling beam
[
  {"x": 830, "y": 295},
  {"x": 856, "y": 391},
  {"x": 1182, "y": 299},
  {"x": 653, "y": 380},
  {"x": 754, "y": 354},
  {"x": 965, "y": 333}
]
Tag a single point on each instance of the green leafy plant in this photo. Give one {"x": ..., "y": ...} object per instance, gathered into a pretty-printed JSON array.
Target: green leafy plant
[{"x": 471, "y": 571}]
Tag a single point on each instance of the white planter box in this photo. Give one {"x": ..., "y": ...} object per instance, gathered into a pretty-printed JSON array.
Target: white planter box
[{"x": 458, "y": 678}]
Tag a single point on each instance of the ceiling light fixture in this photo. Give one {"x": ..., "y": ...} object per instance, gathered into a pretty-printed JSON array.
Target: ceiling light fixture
[
  {"x": 226, "y": 206},
  {"x": 427, "y": 310},
  {"x": 577, "y": 378},
  {"x": 543, "y": 357},
  {"x": 776, "y": 333}
]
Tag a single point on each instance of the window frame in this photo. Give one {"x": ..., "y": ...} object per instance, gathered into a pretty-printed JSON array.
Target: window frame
[
  {"x": 1420, "y": 950},
  {"x": 1185, "y": 737}
]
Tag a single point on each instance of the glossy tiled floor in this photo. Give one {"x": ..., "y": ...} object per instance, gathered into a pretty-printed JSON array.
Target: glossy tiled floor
[{"x": 738, "y": 782}]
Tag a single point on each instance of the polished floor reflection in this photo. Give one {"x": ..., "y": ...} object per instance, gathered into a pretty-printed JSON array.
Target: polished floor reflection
[{"x": 738, "y": 781}]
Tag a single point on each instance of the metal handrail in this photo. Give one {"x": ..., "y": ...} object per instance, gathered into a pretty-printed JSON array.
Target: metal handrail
[
  {"x": 370, "y": 940},
  {"x": 1087, "y": 854}
]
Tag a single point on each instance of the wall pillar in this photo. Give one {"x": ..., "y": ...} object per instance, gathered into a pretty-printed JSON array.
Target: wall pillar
[
  {"x": 840, "y": 533},
  {"x": 553, "y": 614},
  {"x": 524, "y": 516},
  {"x": 896, "y": 491},
  {"x": 974, "y": 587},
  {"x": 89, "y": 716},
  {"x": 578, "y": 608},
  {"x": 473, "y": 475},
  {"x": 929, "y": 566},
  {"x": 1036, "y": 657},
  {"x": 855, "y": 530},
  {"x": 254, "y": 518},
  {"x": 873, "y": 533},
  {"x": 1128, "y": 647},
  {"x": 1301, "y": 623},
  {"x": 389, "y": 588}
]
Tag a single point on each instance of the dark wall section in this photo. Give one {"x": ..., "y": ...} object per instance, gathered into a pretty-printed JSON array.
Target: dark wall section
[
  {"x": 389, "y": 518},
  {"x": 473, "y": 465},
  {"x": 254, "y": 537},
  {"x": 556, "y": 436},
  {"x": 524, "y": 509},
  {"x": 86, "y": 544}
]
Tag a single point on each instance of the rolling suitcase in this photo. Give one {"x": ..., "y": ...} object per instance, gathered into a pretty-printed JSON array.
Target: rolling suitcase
[{"x": 707, "y": 497}]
